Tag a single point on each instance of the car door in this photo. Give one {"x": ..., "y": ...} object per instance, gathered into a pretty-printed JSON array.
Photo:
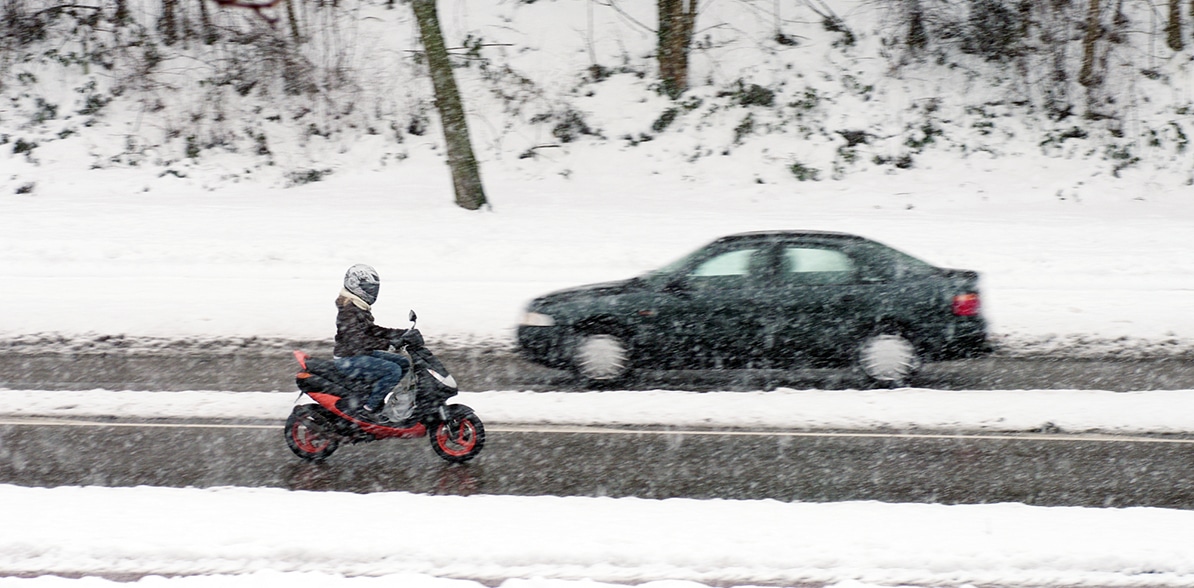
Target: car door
[
  {"x": 709, "y": 314},
  {"x": 821, "y": 302}
]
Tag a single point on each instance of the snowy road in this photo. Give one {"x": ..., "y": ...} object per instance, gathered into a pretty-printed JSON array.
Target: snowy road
[
  {"x": 229, "y": 536},
  {"x": 642, "y": 462},
  {"x": 272, "y": 368}
]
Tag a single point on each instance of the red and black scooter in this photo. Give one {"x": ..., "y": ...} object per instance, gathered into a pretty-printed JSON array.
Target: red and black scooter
[{"x": 315, "y": 430}]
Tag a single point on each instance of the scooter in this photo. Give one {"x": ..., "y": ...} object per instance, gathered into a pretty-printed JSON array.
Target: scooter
[{"x": 315, "y": 430}]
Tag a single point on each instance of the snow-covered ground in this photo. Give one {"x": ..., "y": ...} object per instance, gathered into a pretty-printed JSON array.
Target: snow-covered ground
[
  {"x": 969, "y": 411},
  {"x": 1107, "y": 272},
  {"x": 266, "y": 537}
]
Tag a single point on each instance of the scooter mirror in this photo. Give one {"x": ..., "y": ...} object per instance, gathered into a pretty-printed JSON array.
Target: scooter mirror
[{"x": 412, "y": 317}]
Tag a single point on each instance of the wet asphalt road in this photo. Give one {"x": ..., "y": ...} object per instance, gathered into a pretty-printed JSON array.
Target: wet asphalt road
[
  {"x": 1046, "y": 470},
  {"x": 489, "y": 369},
  {"x": 1032, "y": 469}
]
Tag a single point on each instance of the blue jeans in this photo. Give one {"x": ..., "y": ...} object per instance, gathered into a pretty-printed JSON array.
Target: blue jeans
[{"x": 383, "y": 368}]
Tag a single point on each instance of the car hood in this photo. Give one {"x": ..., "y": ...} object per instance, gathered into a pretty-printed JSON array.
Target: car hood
[{"x": 587, "y": 291}]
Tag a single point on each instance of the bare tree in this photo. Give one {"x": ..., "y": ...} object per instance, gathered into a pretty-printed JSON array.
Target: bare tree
[
  {"x": 122, "y": 12},
  {"x": 676, "y": 21},
  {"x": 295, "y": 32},
  {"x": 466, "y": 178},
  {"x": 1094, "y": 29},
  {"x": 1173, "y": 26},
  {"x": 168, "y": 24},
  {"x": 209, "y": 32},
  {"x": 917, "y": 37}
]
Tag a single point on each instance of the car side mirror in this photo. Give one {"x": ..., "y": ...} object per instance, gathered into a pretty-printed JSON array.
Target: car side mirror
[{"x": 412, "y": 317}]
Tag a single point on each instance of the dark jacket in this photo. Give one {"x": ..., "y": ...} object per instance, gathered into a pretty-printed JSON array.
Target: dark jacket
[{"x": 355, "y": 332}]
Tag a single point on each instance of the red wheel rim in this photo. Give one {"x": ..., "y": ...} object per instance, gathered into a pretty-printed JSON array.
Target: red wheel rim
[
  {"x": 459, "y": 441},
  {"x": 307, "y": 440}
]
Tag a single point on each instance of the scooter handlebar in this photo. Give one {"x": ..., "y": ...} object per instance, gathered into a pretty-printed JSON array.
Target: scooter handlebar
[{"x": 411, "y": 337}]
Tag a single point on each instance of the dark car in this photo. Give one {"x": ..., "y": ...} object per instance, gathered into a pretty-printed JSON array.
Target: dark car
[{"x": 784, "y": 299}]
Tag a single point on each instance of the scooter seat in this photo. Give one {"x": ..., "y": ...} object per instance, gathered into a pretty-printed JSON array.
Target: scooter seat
[{"x": 326, "y": 369}]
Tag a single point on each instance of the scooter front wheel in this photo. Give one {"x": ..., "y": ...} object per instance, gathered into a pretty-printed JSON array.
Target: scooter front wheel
[
  {"x": 460, "y": 437},
  {"x": 307, "y": 433}
]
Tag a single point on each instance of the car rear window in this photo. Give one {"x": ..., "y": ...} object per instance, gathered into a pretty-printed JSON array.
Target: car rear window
[
  {"x": 880, "y": 262},
  {"x": 817, "y": 266}
]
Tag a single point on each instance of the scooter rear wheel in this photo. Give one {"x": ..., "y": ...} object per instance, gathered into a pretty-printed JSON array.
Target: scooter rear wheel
[
  {"x": 461, "y": 437},
  {"x": 306, "y": 433}
]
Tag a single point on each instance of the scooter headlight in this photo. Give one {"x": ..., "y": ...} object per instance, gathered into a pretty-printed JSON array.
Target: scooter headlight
[{"x": 537, "y": 319}]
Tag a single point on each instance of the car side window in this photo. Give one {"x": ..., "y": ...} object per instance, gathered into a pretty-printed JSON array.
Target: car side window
[
  {"x": 814, "y": 266},
  {"x": 729, "y": 269}
]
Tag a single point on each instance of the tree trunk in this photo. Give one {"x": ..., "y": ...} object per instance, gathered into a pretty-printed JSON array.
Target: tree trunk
[
  {"x": 676, "y": 21},
  {"x": 1094, "y": 30},
  {"x": 209, "y": 32},
  {"x": 466, "y": 178},
  {"x": 1173, "y": 27},
  {"x": 294, "y": 25},
  {"x": 917, "y": 37},
  {"x": 168, "y": 25},
  {"x": 122, "y": 12}
]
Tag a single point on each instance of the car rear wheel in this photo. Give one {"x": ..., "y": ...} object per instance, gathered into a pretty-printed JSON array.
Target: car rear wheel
[
  {"x": 601, "y": 358},
  {"x": 888, "y": 359}
]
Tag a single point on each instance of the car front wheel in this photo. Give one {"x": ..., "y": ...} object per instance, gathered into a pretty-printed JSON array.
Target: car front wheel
[
  {"x": 888, "y": 359},
  {"x": 601, "y": 358}
]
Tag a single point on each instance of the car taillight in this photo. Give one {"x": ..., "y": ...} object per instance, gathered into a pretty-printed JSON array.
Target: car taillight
[{"x": 966, "y": 304}]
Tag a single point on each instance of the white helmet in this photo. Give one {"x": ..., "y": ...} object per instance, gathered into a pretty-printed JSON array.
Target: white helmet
[{"x": 363, "y": 281}]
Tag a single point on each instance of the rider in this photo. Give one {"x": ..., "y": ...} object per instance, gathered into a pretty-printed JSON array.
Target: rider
[{"x": 361, "y": 345}]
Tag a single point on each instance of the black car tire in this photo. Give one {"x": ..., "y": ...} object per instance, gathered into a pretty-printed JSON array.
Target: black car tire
[
  {"x": 888, "y": 359},
  {"x": 601, "y": 358}
]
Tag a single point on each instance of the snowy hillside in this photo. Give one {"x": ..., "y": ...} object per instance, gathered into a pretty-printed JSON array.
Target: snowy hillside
[
  {"x": 189, "y": 190},
  {"x": 781, "y": 91}
]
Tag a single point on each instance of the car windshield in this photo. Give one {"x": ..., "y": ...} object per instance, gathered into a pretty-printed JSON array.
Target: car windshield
[{"x": 673, "y": 267}]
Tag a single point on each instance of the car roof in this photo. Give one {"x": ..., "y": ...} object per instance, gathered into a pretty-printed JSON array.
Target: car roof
[{"x": 794, "y": 233}]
